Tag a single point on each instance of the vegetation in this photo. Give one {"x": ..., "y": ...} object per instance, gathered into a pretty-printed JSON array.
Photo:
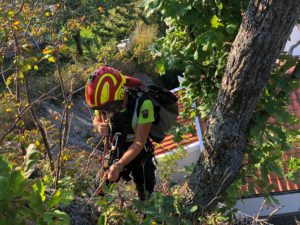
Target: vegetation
[
  {"x": 49, "y": 48},
  {"x": 200, "y": 49}
]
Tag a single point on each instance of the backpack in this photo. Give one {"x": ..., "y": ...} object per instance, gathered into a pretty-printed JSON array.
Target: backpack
[{"x": 165, "y": 109}]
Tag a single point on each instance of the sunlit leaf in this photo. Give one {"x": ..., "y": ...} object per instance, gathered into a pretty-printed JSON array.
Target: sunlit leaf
[
  {"x": 48, "y": 50},
  {"x": 101, "y": 9},
  {"x": 21, "y": 75},
  {"x": 26, "y": 7},
  {"x": 160, "y": 67},
  {"x": 47, "y": 14},
  {"x": 52, "y": 59},
  {"x": 11, "y": 13},
  {"x": 220, "y": 6},
  {"x": 55, "y": 199},
  {"x": 215, "y": 22}
]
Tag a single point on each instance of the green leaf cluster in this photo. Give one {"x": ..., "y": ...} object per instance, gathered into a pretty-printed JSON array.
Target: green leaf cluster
[
  {"x": 24, "y": 200},
  {"x": 198, "y": 39},
  {"x": 272, "y": 133},
  {"x": 197, "y": 42}
]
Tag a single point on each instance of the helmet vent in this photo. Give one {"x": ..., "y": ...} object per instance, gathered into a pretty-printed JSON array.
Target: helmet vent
[{"x": 92, "y": 77}]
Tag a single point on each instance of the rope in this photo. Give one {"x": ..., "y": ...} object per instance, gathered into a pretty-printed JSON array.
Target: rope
[{"x": 104, "y": 179}]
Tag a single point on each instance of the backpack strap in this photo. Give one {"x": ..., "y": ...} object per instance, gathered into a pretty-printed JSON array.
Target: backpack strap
[{"x": 138, "y": 104}]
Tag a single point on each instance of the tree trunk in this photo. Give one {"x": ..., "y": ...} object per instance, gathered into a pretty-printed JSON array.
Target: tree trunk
[
  {"x": 77, "y": 39},
  {"x": 263, "y": 33}
]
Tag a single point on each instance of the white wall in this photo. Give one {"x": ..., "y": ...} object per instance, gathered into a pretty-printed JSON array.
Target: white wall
[
  {"x": 294, "y": 38},
  {"x": 290, "y": 203},
  {"x": 193, "y": 154},
  {"x": 251, "y": 206}
]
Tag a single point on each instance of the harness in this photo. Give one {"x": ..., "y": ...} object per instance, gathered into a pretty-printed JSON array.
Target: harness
[{"x": 121, "y": 135}]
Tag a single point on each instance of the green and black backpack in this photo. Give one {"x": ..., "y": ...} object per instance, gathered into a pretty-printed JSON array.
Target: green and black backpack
[{"x": 165, "y": 109}]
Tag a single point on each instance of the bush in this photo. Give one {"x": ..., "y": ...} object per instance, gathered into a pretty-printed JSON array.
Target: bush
[{"x": 23, "y": 200}]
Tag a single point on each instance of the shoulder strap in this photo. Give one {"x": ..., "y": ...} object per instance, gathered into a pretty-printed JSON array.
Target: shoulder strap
[{"x": 140, "y": 102}]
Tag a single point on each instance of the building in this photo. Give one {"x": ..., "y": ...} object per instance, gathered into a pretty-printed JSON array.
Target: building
[{"x": 287, "y": 192}]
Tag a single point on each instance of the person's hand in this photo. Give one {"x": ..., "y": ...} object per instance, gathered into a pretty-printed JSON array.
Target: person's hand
[
  {"x": 114, "y": 173},
  {"x": 102, "y": 128}
]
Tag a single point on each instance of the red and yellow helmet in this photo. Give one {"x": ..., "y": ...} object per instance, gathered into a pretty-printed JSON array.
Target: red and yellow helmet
[{"x": 104, "y": 86}]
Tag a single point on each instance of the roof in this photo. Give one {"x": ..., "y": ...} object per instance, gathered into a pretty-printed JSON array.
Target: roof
[
  {"x": 168, "y": 144},
  {"x": 290, "y": 219},
  {"x": 279, "y": 184}
]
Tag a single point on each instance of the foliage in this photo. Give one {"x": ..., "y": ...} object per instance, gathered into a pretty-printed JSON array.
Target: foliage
[
  {"x": 272, "y": 134},
  {"x": 197, "y": 42},
  {"x": 167, "y": 166},
  {"x": 119, "y": 206},
  {"x": 24, "y": 200},
  {"x": 119, "y": 209},
  {"x": 42, "y": 40}
]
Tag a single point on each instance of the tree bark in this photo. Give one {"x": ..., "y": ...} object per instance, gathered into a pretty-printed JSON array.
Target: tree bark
[
  {"x": 263, "y": 33},
  {"x": 77, "y": 39}
]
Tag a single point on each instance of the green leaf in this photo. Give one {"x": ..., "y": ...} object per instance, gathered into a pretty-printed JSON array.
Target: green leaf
[
  {"x": 220, "y": 6},
  {"x": 215, "y": 21},
  {"x": 194, "y": 209},
  {"x": 277, "y": 169},
  {"x": 29, "y": 164},
  {"x": 39, "y": 188},
  {"x": 15, "y": 179},
  {"x": 130, "y": 218},
  {"x": 32, "y": 152},
  {"x": 231, "y": 28},
  {"x": 35, "y": 202},
  {"x": 48, "y": 218},
  {"x": 1, "y": 58},
  {"x": 102, "y": 220},
  {"x": 55, "y": 199},
  {"x": 196, "y": 55},
  {"x": 160, "y": 67},
  {"x": 264, "y": 171},
  {"x": 4, "y": 185},
  {"x": 62, "y": 217},
  {"x": 137, "y": 204},
  {"x": 11, "y": 13},
  {"x": 56, "y": 218},
  {"x": 5, "y": 168},
  {"x": 66, "y": 197}
]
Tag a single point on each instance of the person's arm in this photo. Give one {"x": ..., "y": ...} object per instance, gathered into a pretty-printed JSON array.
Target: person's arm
[
  {"x": 142, "y": 130},
  {"x": 142, "y": 133}
]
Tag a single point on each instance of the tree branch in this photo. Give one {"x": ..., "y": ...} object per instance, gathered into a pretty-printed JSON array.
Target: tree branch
[
  {"x": 292, "y": 48},
  {"x": 20, "y": 9},
  {"x": 25, "y": 110}
]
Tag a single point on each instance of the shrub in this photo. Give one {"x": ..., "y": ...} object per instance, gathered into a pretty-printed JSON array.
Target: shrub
[{"x": 23, "y": 200}]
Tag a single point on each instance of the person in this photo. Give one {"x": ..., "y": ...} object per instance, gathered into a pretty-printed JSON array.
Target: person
[{"x": 111, "y": 94}]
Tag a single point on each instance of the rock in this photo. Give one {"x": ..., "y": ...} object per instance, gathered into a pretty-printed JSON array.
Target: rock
[
  {"x": 82, "y": 212},
  {"x": 80, "y": 120}
]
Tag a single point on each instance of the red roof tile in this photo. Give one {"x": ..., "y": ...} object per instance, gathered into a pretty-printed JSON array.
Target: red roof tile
[
  {"x": 168, "y": 143},
  {"x": 279, "y": 184}
]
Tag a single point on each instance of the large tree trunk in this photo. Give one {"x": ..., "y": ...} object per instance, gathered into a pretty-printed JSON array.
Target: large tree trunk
[{"x": 264, "y": 31}]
